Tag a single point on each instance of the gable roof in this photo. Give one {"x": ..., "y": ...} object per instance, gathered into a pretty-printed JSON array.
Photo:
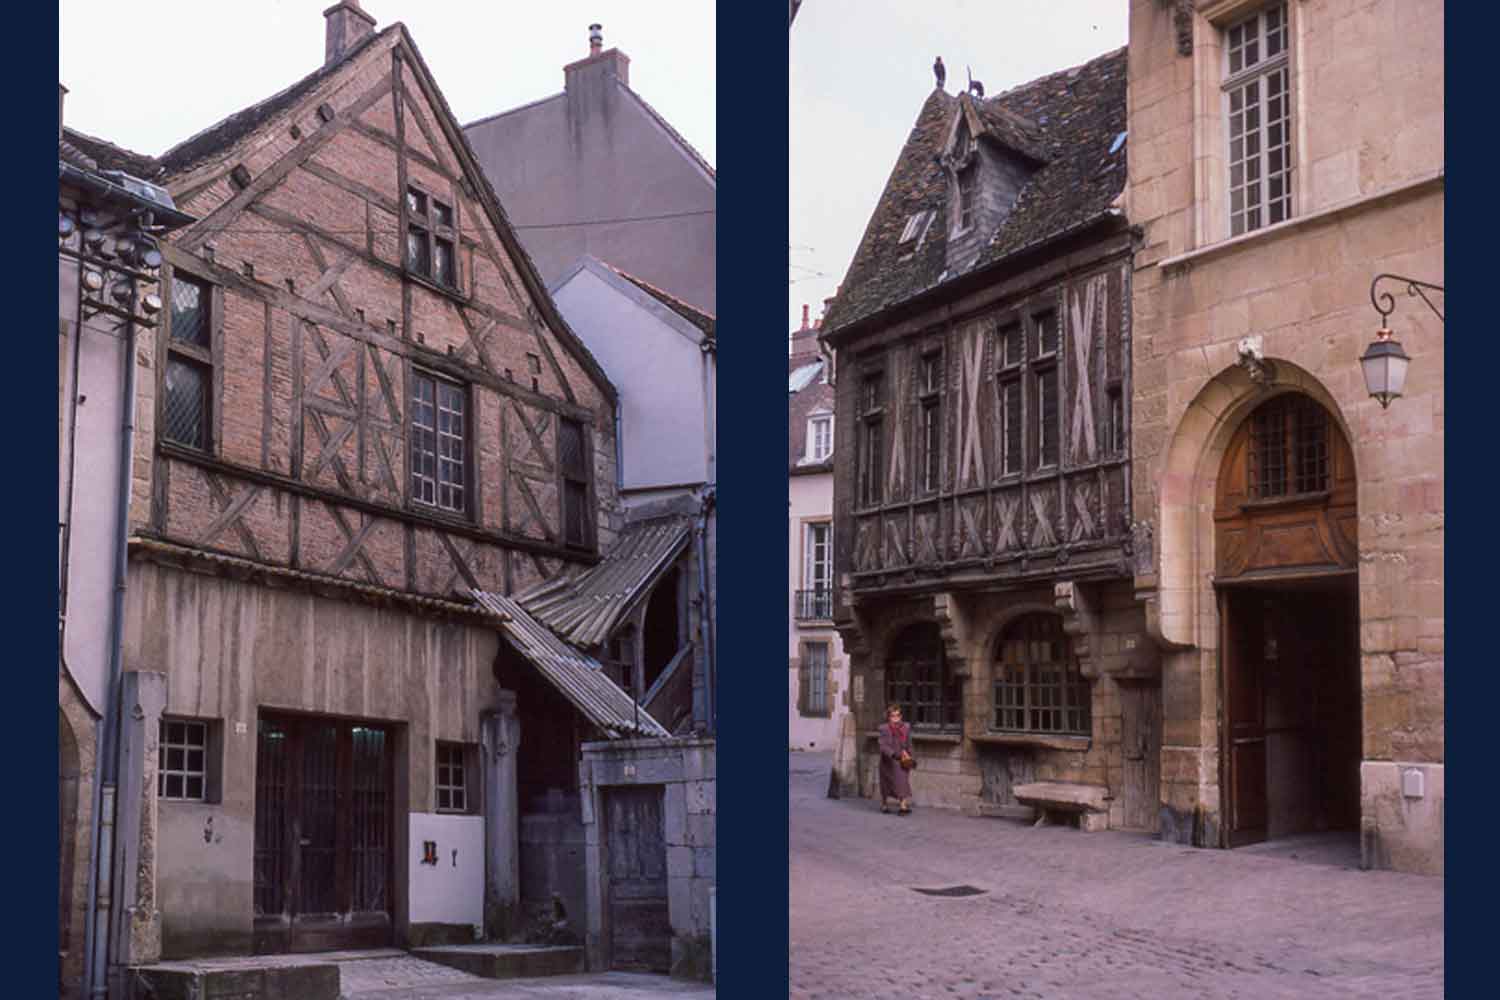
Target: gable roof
[
  {"x": 1066, "y": 122},
  {"x": 225, "y": 134},
  {"x": 91, "y": 153},
  {"x": 697, "y": 317},
  {"x": 812, "y": 395}
]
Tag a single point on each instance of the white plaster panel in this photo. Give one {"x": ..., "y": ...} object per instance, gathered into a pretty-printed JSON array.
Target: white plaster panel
[{"x": 452, "y": 891}]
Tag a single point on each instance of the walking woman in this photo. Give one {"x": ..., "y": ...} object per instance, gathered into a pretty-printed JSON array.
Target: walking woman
[{"x": 896, "y": 761}]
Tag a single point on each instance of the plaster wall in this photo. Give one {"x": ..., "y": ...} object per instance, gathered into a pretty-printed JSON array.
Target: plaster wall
[
  {"x": 654, "y": 359},
  {"x": 810, "y": 500},
  {"x": 451, "y": 891},
  {"x": 233, "y": 649},
  {"x": 1368, "y": 198},
  {"x": 595, "y": 153}
]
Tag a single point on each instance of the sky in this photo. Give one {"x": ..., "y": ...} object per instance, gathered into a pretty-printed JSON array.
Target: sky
[
  {"x": 147, "y": 74},
  {"x": 860, "y": 71}
]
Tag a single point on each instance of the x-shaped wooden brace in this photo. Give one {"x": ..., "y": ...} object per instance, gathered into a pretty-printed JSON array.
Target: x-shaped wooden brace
[
  {"x": 478, "y": 342},
  {"x": 231, "y": 512},
  {"x": 971, "y": 466},
  {"x": 865, "y": 556},
  {"x": 897, "y": 475},
  {"x": 521, "y": 470},
  {"x": 460, "y": 564},
  {"x": 1041, "y": 534},
  {"x": 1083, "y": 524},
  {"x": 893, "y": 538},
  {"x": 927, "y": 538},
  {"x": 354, "y": 546},
  {"x": 1005, "y": 516},
  {"x": 973, "y": 537},
  {"x": 1083, "y": 342}
]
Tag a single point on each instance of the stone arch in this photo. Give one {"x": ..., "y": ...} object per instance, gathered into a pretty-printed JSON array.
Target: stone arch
[{"x": 1183, "y": 605}]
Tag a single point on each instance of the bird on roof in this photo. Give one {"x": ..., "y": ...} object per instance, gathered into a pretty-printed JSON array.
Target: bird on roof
[
  {"x": 939, "y": 71},
  {"x": 975, "y": 87}
]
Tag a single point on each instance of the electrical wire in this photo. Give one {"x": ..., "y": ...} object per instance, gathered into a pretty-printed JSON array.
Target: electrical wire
[{"x": 380, "y": 230}]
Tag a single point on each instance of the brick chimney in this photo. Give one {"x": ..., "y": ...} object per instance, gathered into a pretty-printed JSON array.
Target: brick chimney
[
  {"x": 804, "y": 315},
  {"x": 348, "y": 25},
  {"x": 600, "y": 63}
]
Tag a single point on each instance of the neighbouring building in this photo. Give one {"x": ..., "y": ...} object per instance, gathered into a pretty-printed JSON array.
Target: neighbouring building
[
  {"x": 375, "y": 478},
  {"x": 109, "y": 299},
  {"x": 819, "y": 674},
  {"x": 1282, "y": 155},
  {"x": 982, "y": 482},
  {"x": 595, "y": 171}
]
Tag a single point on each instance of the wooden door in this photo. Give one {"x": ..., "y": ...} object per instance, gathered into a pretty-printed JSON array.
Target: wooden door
[
  {"x": 1244, "y": 716},
  {"x": 640, "y": 930},
  {"x": 1140, "y": 741},
  {"x": 323, "y": 835}
]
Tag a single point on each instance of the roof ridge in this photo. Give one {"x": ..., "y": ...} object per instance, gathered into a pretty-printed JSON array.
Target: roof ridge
[
  {"x": 1065, "y": 71},
  {"x": 682, "y": 140}
]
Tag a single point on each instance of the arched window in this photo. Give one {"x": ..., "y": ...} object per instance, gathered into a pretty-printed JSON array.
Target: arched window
[
  {"x": 1038, "y": 688},
  {"x": 917, "y": 678}
]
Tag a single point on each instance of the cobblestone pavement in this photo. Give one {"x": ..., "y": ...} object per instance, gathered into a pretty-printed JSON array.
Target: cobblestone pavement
[
  {"x": 406, "y": 978},
  {"x": 1078, "y": 915}
]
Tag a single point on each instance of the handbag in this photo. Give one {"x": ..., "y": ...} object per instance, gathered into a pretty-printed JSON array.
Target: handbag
[{"x": 908, "y": 762}]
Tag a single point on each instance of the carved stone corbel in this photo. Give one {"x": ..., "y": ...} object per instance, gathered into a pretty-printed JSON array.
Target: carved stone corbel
[
  {"x": 1079, "y": 622},
  {"x": 1151, "y": 604},
  {"x": 953, "y": 621}
]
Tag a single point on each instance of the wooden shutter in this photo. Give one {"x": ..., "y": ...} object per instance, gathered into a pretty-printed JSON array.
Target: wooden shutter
[{"x": 802, "y": 685}]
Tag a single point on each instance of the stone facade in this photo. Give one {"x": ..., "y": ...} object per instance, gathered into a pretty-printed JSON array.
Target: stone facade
[
  {"x": 684, "y": 770},
  {"x": 1367, "y": 197}
]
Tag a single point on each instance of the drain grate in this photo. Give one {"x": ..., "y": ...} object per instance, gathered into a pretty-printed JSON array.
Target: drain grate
[{"x": 952, "y": 890}]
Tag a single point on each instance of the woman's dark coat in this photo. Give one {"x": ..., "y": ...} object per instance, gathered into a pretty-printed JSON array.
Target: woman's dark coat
[{"x": 895, "y": 782}]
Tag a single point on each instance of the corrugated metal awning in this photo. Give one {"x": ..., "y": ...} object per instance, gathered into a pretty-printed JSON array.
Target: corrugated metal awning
[
  {"x": 584, "y": 607},
  {"x": 579, "y": 677}
]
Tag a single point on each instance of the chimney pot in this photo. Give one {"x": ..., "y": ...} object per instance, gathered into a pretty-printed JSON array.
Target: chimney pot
[
  {"x": 347, "y": 26},
  {"x": 597, "y": 65},
  {"x": 596, "y": 39},
  {"x": 804, "y": 315}
]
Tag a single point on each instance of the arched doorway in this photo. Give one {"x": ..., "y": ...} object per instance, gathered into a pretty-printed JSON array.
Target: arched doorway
[
  {"x": 918, "y": 678},
  {"x": 1286, "y": 571}
]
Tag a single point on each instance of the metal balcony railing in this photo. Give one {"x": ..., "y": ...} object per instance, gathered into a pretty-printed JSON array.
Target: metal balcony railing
[{"x": 814, "y": 605}]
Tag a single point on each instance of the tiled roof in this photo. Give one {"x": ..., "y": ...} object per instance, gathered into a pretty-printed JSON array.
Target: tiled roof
[
  {"x": 815, "y": 394},
  {"x": 585, "y": 606},
  {"x": 693, "y": 315},
  {"x": 577, "y": 676},
  {"x": 226, "y": 133},
  {"x": 103, "y": 155},
  {"x": 1067, "y": 122}
]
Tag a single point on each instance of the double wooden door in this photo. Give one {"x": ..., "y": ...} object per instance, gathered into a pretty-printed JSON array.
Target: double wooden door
[
  {"x": 640, "y": 931},
  {"x": 324, "y": 828}
]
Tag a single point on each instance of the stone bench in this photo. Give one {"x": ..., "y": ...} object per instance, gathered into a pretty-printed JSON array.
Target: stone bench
[{"x": 1051, "y": 799}]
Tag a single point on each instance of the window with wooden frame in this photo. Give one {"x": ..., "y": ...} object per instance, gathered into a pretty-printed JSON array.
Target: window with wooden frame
[
  {"x": 1008, "y": 412},
  {"x": 813, "y": 681},
  {"x": 431, "y": 238},
  {"x": 188, "y": 375},
  {"x": 1258, "y": 110},
  {"x": 455, "y": 789},
  {"x": 1288, "y": 453},
  {"x": 1114, "y": 418},
  {"x": 573, "y": 465},
  {"x": 968, "y": 183},
  {"x": 1045, "y": 427},
  {"x": 918, "y": 678},
  {"x": 187, "y": 760},
  {"x": 1038, "y": 687},
  {"x": 930, "y": 421},
  {"x": 439, "y": 442},
  {"x": 820, "y": 437},
  {"x": 871, "y": 440}
]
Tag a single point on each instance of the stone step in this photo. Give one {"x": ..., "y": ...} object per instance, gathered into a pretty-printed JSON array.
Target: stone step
[
  {"x": 507, "y": 961},
  {"x": 310, "y": 977}
]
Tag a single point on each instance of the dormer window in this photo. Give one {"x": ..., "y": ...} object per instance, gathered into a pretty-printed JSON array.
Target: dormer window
[
  {"x": 968, "y": 179},
  {"x": 916, "y": 226},
  {"x": 820, "y": 437}
]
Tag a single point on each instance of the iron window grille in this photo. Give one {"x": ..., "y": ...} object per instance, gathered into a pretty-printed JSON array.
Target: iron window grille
[
  {"x": 431, "y": 238},
  {"x": 439, "y": 435},
  {"x": 1257, "y": 95},
  {"x": 1288, "y": 454},
  {"x": 188, "y": 375},
  {"x": 816, "y": 601},
  {"x": 573, "y": 460},
  {"x": 813, "y": 680},
  {"x": 182, "y": 760},
  {"x": 918, "y": 678},
  {"x": 1038, "y": 687},
  {"x": 452, "y": 778}
]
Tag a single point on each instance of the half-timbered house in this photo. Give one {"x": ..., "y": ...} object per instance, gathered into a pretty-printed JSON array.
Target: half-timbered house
[
  {"x": 982, "y": 483},
  {"x": 364, "y": 425}
]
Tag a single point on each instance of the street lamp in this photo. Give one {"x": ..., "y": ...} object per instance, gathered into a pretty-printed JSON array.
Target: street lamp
[{"x": 1384, "y": 362}]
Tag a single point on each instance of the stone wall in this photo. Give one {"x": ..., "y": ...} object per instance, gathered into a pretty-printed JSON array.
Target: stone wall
[
  {"x": 686, "y": 770},
  {"x": 1367, "y": 198}
]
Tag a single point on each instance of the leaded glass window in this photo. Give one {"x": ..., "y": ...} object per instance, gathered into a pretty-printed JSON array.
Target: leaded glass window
[
  {"x": 439, "y": 434},
  {"x": 1257, "y": 88},
  {"x": 1038, "y": 687},
  {"x": 918, "y": 678}
]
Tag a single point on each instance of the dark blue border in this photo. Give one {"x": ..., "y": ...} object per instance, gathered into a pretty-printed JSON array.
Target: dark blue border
[{"x": 752, "y": 582}]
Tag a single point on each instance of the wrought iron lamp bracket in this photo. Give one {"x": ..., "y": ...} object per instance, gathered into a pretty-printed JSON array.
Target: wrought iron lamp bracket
[{"x": 1385, "y": 302}]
